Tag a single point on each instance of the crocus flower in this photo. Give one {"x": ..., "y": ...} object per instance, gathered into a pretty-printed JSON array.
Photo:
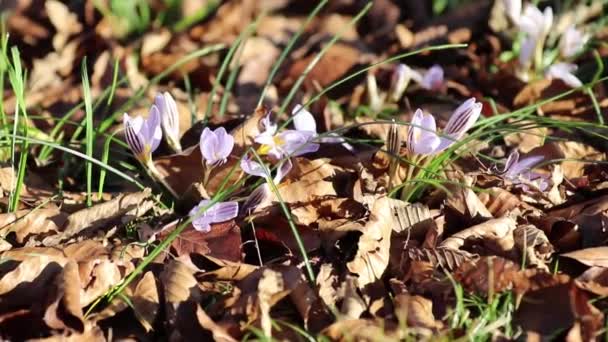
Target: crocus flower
[
  {"x": 432, "y": 78},
  {"x": 262, "y": 192},
  {"x": 216, "y": 145},
  {"x": 169, "y": 119},
  {"x": 374, "y": 97},
  {"x": 572, "y": 42},
  {"x": 564, "y": 72},
  {"x": 286, "y": 143},
  {"x": 534, "y": 22},
  {"x": 513, "y": 8},
  {"x": 143, "y": 135},
  {"x": 422, "y": 135},
  {"x": 399, "y": 81},
  {"x": 519, "y": 170},
  {"x": 218, "y": 212}
]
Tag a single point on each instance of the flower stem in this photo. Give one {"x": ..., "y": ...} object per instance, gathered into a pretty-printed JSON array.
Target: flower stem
[{"x": 156, "y": 175}]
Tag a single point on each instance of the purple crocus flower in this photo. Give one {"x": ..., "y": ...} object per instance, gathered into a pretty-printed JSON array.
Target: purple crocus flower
[
  {"x": 422, "y": 136},
  {"x": 262, "y": 192},
  {"x": 519, "y": 171},
  {"x": 572, "y": 42},
  {"x": 564, "y": 72},
  {"x": 216, "y": 145},
  {"x": 143, "y": 135},
  {"x": 432, "y": 78},
  {"x": 286, "y": 143},
  {"x": 513, "y": 8},
  {"x": 169, "y": 119},
  {"x": 218, "y": 212}
]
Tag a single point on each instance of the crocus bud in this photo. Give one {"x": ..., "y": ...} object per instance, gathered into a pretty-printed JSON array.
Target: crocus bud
[
  {"x": 169, "y": 119},
  {"x": 399, "y": 81},
  {"x": 216, "y": 146},
  {"x": 218, "y": 212},
  {"x": 143, "y": 135}
]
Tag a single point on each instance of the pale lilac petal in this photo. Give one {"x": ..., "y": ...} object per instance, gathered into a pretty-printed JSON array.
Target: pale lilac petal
[
  {"x": 225, "y": 143},
  {"x": 463, "y": 118},
  {"x": 270, "y": 128},
  {"x": 134, "y": 140},
  {"x": 282, "y": 170},
  {"x": 169, "y": 114},
  {"x": 254, "y": 168},
  {"x": 224, "y": 211},
  {"x": 208, "y": 145},
  {"x": 523, "y": 165},
  {"x": 433, "y": 78},
  {"x": 264, "y": 139},
  {"x": 422, "y": 135},
  {"x": 564, "y": 72},
  {"x": 513, "y": 8},
  {"x": 399, "y": 81},
  {"x": 297, "y": 143},
  {"x": 526, "y": 50},
  {"x": 511, "y": 160},
  {"x": 572, "y": 42},
  {"x": 547, "y": 20},
  {"x": 303, "y": 120},
  {"x": 218, "y": 212},
  {"x": 532, "y": 20},
  {"x": 151, "y": 130},
  {"x": 255, "y": 198}
]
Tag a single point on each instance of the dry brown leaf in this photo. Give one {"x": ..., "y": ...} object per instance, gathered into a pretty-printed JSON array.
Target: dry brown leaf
[
  {"x": 104, "y": 276},
  {"x": 500, "y": 202},
  {"x": 124, "y": 207},
  {"x": 534, "y": 244},
  {"x": 219, "y": 333},
  {"x": 448, "y": 259},
  {"x": 363, "y": 330},
  {"x": 372, "y": 256},
  {"x": 64, "y": 312},
  {"x": 66, "y": 23},
  {"x": 595, "y": 256},
  {"x": 29, "y": 223},
  {"x": 270, "y": 285},
  {"x": 353, "y": 306},
  {"x": 498, "y": 231},
  {"x": 145, "y": 300},
  {"x": 179, "y": 286},
  {"x": 154, "y": 41},
  {"x": 578, "y": 151},
  {"x": 416, "y": 312},
  {"x": 465, "y": 202}
]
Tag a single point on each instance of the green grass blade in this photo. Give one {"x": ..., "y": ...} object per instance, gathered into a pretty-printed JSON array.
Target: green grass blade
[
  {"x": 287, "y": 50},
  {"x": 200, "y": 15},
  {"x": 104, "y": 159},
  {"x": 114, "y": 82},
  {"x": 318, "y": 57},
  {"x": 90, "y": 137}
]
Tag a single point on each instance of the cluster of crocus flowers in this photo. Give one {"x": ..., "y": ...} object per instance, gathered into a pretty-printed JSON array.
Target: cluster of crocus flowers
[
  {"x": 431, "y": 79},
  {"x": 519, "y": 171},
  {"x": 423, "y": 138},
  {"x": 536, "y": 25}
]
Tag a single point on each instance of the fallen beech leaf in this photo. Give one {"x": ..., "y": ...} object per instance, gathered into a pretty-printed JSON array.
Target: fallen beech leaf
[
  {"x": 535, "y": 244},
  {"x": 124, "y": 207},
  {"x": 223, "y": 241},
  {"x": 104, "y": 276},
  {"x": 353, "y": 306},
  {"x": 410, "y": 215},
  {"x": 466, "y": 203},
  {"x": 416, "y": 312},
  {"x": 65, "y": 309},
  {"x": 549, "y": 310},
  {"x": 29, "y": 223},
  {"x": 498, "y": 231},
  {"x": 595, "y": 256},
  {"x": 145, "y": 300},
  {"x": 448, "y": 259},
  {"x": 179, "y": 286},
  {"x": 500, "y": 202},
  {"x": 64, "y": 21},
  {"x": 219, "y": 333},
  {"x": 362, "y": 330},
  {"x": 154, "y": 41},
  {"x": 372, "y": 256},
  {"x": 271, "y": 284}
]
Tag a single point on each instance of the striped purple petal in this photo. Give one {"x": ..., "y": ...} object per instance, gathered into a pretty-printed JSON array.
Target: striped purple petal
[
  {"x": 169, "y": 118},
  {"x": 218, "y": 212}
]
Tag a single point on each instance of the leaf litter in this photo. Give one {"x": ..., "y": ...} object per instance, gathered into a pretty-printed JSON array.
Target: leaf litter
[{"x": 452, "y": 192}]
